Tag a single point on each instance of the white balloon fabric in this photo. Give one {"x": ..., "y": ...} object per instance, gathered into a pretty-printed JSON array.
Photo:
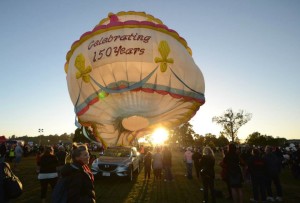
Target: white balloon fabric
[{"x": 131, "y": 74}]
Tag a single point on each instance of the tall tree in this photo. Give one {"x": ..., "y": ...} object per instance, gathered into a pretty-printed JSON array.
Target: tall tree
[
  {"x": 256, "y": 139},
  {"x": 199, "y": 140},
  {"x": 185, "y": 134},
  {"x": 232, "y": 122},
  {"x": 210, "y": 138}
]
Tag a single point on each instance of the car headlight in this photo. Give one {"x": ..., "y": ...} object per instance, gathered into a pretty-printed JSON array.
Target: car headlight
[{"x": 125, "y": 164}]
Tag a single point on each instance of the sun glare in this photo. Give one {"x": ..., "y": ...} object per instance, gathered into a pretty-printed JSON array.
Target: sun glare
[
  {"x": 159, "y": 136},
  {"x": 141, "y": 140}
]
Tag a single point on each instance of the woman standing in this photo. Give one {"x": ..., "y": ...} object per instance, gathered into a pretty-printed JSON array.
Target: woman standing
[
  {"x": 79, "y": 177},
  {"x": 234, "y": 173},
  {"x": 207, "y": 168},
  {"x": 47, "y": 173}
]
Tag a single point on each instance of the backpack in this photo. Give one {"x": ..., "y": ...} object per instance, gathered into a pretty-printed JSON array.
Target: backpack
[
  {"x": 13, "y": 187},
  {"x": 60, "y": 192}
]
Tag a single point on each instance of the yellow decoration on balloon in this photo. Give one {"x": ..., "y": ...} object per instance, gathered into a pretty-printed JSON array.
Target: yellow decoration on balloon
[
  {"x": 82, "y": 70},
  {"x": 66, "y": 67},
  {"x": 164, "y": 51}
]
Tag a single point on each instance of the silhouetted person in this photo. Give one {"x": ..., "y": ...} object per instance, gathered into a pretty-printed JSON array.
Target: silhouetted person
[
  {"x": 207, "y": 168},
  {"x": 234, "y": 173},
  {"x": 167, "y": 164},
  {"x": 147, "y": 164}
]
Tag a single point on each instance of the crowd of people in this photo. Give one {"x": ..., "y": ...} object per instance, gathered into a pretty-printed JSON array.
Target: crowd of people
[
  {"x": 258, "y": 166},
  {"x": 160, "y": 160},
  {"x": 51, "y": 165}
]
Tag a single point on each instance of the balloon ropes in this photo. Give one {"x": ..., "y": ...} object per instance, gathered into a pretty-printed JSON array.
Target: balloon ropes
[{"x": 130, "y": 75}]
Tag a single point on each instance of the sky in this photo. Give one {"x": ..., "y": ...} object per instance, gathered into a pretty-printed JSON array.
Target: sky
[{"x": 248, "y": 52}]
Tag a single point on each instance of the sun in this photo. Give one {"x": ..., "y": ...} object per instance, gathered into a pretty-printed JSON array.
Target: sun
[{"x": 159, "y": 136}]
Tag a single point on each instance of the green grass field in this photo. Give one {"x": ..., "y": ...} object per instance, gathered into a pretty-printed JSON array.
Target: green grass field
[{"x": 115, "y": 190}]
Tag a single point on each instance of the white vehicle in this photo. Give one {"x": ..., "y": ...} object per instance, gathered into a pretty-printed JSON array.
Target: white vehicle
[{"x": 117, "y": 161}]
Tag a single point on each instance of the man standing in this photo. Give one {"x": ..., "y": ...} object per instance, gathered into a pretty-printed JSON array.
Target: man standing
[
  {"x": 167, "y": 164},
  {"x": 147, "y": 164},
  {"x": 273, "y": 174},
  {"x": 18, "y": 156}
]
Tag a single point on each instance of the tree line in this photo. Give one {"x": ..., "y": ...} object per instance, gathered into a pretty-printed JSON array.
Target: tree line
[
  {"x": 231, "y": 122},
  {"x": 184, "y": 135}
]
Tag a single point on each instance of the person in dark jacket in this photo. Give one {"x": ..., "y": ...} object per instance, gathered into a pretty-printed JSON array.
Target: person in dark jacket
[
  {"x": 2, "y": 152},
  {"x": 258, "y": 172},
  {"x": 273, "y": 171},
  {"x": 197, "y": 155},
  {"x": 234, "y": 173},
  {"x": 79, "y": 177},
  {"x": 207, "y": 168},
  {"x": 224, "y": 173},
  {"x": 47, "y": 173},
  {"x": 61, "y": 157}
]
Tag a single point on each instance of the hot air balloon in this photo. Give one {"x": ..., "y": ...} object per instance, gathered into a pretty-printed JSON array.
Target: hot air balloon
[{"x": 130, "y": 75}]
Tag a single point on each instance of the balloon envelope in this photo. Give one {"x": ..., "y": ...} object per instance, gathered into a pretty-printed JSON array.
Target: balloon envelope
[{"x": 131, "y": 74}]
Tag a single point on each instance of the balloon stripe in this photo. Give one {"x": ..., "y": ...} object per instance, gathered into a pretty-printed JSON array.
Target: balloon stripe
[
  {"x": 184, "y": 83},
  {"x": 199, "y": 98},
  {"x": 84, "y": 109},
  {"x": 123, "y": 88}
]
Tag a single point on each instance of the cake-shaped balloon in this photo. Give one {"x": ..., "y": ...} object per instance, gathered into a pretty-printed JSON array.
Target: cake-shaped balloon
[{"x": 130, "y": 75}]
